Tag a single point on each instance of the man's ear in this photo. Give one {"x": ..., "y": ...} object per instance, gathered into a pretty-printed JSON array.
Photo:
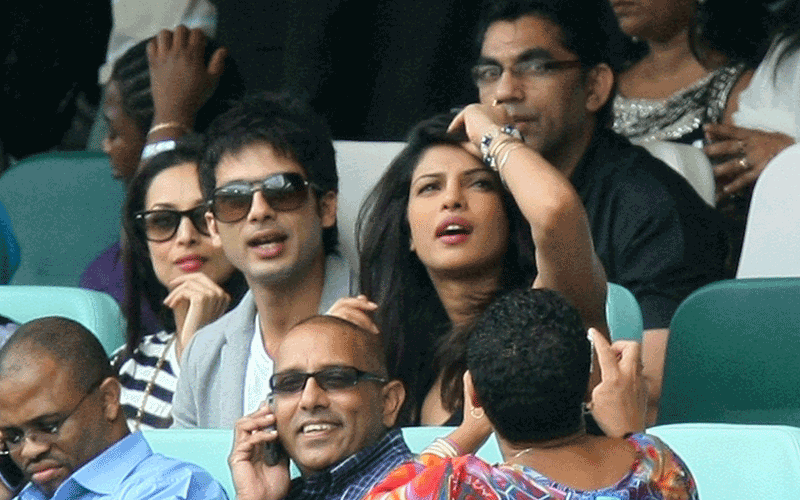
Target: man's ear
[
  {"x": 327, "y": 208},
  {"x": 599, "y": 85},
  {"x": 394, "y": 393},
  {"x": 110, "y": 390},
  {"x": 213, "y": 230}
]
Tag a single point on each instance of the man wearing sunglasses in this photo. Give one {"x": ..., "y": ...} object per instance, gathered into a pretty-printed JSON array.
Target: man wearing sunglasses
[
  {"x": 269, "y": 174},
  {"x": 544, "y": 69},
  {"x": 62, "y": 424},
  {"x": 333, "y": 409}
]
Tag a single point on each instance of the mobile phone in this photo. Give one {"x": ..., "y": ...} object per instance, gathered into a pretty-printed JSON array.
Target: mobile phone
[
  {"x": 10, "y": 474},
  {"x": 273, "y": 451}
]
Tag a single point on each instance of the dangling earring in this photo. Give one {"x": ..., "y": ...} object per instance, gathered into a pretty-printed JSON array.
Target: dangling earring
[{"x": 478, "y": 415}]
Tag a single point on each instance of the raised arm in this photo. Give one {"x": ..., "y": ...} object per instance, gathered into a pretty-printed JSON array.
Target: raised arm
[{"x": 565, "y": 257}]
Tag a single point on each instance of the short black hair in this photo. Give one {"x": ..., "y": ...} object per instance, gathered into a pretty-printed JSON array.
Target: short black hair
[
  {"x": 529, "y": 357},
  {"x": 286, "y": 123},
  {"x": 588, "y": 30},
  {"x": 68, "y": 342}
]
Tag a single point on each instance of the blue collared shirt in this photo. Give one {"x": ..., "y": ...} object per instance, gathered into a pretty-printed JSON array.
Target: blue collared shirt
[
  {"x": 354, "y": 476},
  {"x": 130, "y": 470}
]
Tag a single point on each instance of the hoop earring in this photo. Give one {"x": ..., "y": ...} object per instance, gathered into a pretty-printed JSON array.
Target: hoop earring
[{"x": 477, "y": 416}]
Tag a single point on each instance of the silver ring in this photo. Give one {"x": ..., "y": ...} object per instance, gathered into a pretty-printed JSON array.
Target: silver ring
[{"x": 744, "y": 164}]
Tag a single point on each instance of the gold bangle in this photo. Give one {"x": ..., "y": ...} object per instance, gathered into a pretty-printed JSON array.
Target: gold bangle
[{"x": 166, "y": 125}]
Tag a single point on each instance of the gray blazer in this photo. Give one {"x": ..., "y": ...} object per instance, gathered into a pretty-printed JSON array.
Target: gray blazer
[{"x": 210, "y": 390}]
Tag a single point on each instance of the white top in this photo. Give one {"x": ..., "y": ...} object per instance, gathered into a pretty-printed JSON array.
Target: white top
[
  {"x": 256, "y": 376},
  {"x": 773, "y": 104},
  {"x": 137, "y": 20}
]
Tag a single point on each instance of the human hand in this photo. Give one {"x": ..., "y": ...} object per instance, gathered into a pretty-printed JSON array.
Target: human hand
[
  {"x": 195, "y": 301},
  {"x": 357, "y": 310},
  {"x": 478, "y": 120},
  {"x": 743, "y": 152},
  {"x": 475, "y": 428},
  {"x": 253, "y": 478},
  {"x": 619, "y": 401},
  {"x": 180, "y": 80}
]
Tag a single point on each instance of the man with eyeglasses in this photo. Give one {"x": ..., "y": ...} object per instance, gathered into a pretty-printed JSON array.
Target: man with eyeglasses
[
  {"x": 544, "y": 74},
  {"x": 333, "y": 410},
  {"x": 269, "y": 174},
  {"x": 62, "y": 424}
]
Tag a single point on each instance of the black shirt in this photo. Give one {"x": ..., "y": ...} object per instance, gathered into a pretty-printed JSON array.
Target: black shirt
[{"x": 652, "y": 231}]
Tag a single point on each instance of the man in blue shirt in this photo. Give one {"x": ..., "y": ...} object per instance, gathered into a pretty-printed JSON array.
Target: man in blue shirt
[
  {"x": 61, "y": 422},
  {"x": 334, "y": 408}
]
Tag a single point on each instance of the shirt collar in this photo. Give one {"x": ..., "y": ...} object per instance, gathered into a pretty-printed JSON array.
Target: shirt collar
[
  {"x": 103, "y": 473},
  {"x": 344, "y": 472}
]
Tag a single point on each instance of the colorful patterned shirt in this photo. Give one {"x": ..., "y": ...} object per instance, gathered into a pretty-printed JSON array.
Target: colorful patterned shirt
[
  {"x": 657, "y": 473},
  {"x": 353, "y": 477}
]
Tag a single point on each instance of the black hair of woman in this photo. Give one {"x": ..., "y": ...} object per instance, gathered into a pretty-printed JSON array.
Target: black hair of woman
[
  {"x": 418, "y": 335},
  {"x": 140, "y": 278}
]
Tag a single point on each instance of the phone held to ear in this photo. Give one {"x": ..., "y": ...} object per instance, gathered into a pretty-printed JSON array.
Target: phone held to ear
[
  {"x": 10, "y": 475},
  {"x": 273, "y": 451}
]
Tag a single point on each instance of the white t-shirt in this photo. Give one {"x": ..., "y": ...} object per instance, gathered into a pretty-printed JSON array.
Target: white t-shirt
[
  {"x": 771, "y": 101},
  {"x": 256, "y": 376}
]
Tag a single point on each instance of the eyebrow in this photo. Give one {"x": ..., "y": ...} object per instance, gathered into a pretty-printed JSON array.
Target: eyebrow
[
  {"x": 528, "y": 55},
  {"x": 466, "y": 173}
]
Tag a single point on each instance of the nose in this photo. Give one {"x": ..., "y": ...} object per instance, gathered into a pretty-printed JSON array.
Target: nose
[
  {"x": 186, "y": 233},
  {"x": 107, "y": 145},
  {"x": 31, "y": 449},
  {"x": 260, "y": 208},
  {"x": 453, "y": 196},
  {"x": 508, "y": 88},
  {"x": 313, "y": 396}
]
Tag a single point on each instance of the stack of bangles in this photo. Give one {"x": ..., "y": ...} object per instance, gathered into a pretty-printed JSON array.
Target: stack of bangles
[
  {"x": 497, "y": 145},
  {"x": 443, "y": 448},
  {"x": 155, "y": 148}
]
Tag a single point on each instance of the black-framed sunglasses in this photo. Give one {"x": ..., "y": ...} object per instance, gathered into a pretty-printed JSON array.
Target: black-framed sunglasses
[
  {"x": 45, "y": 432},
  {"x": 283, "y": 192},
  {"x": 331, "y": 378},
  {"x": 162, "y": 224}
]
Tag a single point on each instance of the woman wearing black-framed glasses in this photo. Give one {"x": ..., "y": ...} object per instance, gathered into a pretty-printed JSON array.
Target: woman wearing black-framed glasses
[{"x": 171, "y": 262}]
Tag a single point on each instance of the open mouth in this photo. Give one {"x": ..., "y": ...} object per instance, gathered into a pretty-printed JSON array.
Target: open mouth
[
  {"x": 267, "y": 239},
  {"x": 453, "y": 229},
  {"x": 315, "y": 428}
]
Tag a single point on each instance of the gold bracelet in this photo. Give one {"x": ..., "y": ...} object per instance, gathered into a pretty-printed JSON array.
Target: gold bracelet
[{"x": 165, "y": 125}]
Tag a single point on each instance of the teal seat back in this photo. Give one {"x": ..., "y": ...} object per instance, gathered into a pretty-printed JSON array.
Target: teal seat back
[
  {"x": 732, "y": 354},
  {"x": 418, "y": 438},
  {"x": 731, "y": 461},
  {"x": 208, "y": 448},
  {"x": 64, "y": 210},
  {"x": 623, "y": 314},
  {"x": 97, "y": 311},
  {"x": 9, "y": 248}
]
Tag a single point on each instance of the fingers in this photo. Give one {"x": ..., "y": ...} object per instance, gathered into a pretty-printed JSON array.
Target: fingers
[
  {"x": 182, "y": 39},
  {"x": 458, "y": 121},
  {"x": 630, "y": 356},
  {"x": 356, "y": 310},
  {"x": 194, "y": 286},
  {"x": 217, "y": 63},
  {"x": 731, "y": 147},
  {"x": 720, "y": 131},
  {"x": 740, "y": 182},
  {"x": 606, "y": 357},
  {"x": 250, "y": 432}
]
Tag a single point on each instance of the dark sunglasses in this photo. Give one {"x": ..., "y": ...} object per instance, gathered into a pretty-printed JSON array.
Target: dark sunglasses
[
  {"x": 161, "y": 225},
  {"x": 335, "y": 377},
  {"x": 283, "y": 192}
]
